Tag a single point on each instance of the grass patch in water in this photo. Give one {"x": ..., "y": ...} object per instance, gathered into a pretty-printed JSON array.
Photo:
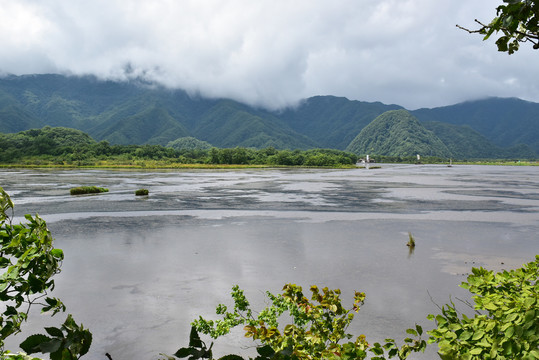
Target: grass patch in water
[
  {"x": 141, "y": 192},
  {"x": 80, "y": 190}
]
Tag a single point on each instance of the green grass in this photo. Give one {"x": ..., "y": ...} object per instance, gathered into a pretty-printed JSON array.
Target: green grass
[
  {"x": 80, "y": 190},
  {"x": 141, "y": 192}
]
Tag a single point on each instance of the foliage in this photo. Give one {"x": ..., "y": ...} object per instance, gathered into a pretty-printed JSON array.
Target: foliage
[
  {"x": 316, "y": 330},
  {"x": 87, "y": 190},
  {"x": 397, "y": 133},
  {"x": 466, "y": 143},
  {"x": 517, "y": 20},
  {"x": 126, "y": 113},
  {"x": 506, "y": 324},
  {"x": 30, "y": 261},
  {"x": 69, "y": 346},
  {"x": 142, "y": 192},
  {"x": 411, "y": 240},
  {"x": 189, "y": 143},
  {"x": 12, "y": 150}
]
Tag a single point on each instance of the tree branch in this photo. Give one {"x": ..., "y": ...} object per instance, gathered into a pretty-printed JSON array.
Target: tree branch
[{"x": 531, "y": 37}]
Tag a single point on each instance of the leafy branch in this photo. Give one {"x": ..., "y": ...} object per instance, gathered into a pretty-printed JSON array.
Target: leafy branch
[
  {"x": 318, "y": 328},
  {"x": 30, "y": 261},
  {"x": 518, "y": 20}
]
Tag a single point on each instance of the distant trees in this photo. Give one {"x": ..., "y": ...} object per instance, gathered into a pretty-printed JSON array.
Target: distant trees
[
  {"x": 73, "y": 147},
  {"x": 397, "y": 133},
  {"x": 517, "y": 20},
  {"x": 189, "y": 143}
]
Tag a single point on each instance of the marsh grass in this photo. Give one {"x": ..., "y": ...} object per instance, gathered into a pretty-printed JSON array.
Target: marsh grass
[
  {"x": 141, "y": 192},
  {"x": 80, "y": 190},
  {"x": 411, "y": 240}
]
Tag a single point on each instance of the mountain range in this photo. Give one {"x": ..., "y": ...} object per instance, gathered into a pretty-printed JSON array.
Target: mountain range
[{"x": 138, "y": 112}]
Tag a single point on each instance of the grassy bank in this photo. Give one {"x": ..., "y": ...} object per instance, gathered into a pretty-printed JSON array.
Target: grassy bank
[
  {"x": 166, "y": 164},
  {"x": 156, "y": 165}
]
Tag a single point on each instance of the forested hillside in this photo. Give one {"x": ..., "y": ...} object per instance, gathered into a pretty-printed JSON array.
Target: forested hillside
[
  {"x": 140, "y": 113},
  {"x": 397, "y": 132},
  {"x": 60, "y": 146},
  {"x": 331, "y": 121},
  {"x": 505, "y": 122}
]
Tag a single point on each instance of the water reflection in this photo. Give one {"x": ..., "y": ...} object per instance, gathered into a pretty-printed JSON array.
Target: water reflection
[{"x": 137, "y": 271}]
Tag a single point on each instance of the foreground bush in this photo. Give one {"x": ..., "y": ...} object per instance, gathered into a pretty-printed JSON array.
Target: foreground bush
[
  {"x": 506, "y": 324},
  {"x": 87, "y": 190},
  {"x": 29, "y": 262},
  {"x": 316, "y": 330}
]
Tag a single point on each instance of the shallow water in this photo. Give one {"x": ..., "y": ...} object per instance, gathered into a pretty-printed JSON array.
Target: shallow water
[{"x": 139, "y": 269}]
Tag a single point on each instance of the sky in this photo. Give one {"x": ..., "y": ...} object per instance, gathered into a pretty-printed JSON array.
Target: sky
[{"x": 273, "y": 53}]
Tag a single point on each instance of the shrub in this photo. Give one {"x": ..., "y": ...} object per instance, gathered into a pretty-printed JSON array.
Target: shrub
[
  {"x": 87, "y": 190},
  {"x": 317, "y": 328},
  {"x": 29, "y": 261},
  {"x": 506, "y": 324},
  {"x": 141, "y": 192}
]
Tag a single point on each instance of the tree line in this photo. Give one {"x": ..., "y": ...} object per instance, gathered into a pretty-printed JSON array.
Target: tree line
[{"x": 64, "y": 146}]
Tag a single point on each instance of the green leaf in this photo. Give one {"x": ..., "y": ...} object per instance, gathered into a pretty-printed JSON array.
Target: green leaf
[
  {"x": 57, "y": 253},
  {"x": 478, "y": 335},
  {"x": 465, "y": 335},
  {"x": 185, "y": 352},
  {"x": 411, "y": 331},
  {"x": 194, "y": 338},
  {"x": 50, "y": 346},
  {"x": 476, "y": 351},
  {"x": 231, "y": 357},
  {"x": 265, "y": 351},
  {"x": 510, "y": 332},
  {"x": 33, "y": 342},
  {"x": 52, "y": 331}
]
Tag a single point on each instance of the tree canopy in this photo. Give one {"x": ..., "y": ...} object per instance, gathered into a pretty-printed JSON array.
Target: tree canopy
[{"x": 517, "y": 20}]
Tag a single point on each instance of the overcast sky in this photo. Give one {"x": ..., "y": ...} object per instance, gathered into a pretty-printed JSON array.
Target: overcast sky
[{"x": 273, "y": 53}]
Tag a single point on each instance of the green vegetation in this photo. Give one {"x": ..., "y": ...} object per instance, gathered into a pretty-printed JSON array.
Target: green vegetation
[
  {"x": 29, "y": 262},
  {"x": 142, "y": 192},
  {"x": 517, "y": 20},
  {"x": 333, "y": 122},
  {"x": 506, "y": 321},
  {"x": 125, "y": 113},
  {"x": 46, "y": 147},
  {"x": 397, "y": 133},
  {"x": 411, "y": 240},
  {"x": 503, "y": 125},
  {"x": 80, "y": 190},
  {"x": 189, "y": 143},
  {"x": 505, "y": 324},
  {"x": 316, "y": 329}
]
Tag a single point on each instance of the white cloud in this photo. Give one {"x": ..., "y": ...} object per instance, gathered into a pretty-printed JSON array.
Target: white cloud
[{"x": 272, "y": 53}]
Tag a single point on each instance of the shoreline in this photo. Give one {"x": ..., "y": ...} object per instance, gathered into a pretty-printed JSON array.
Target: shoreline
[{"x": 157, "y": 166}]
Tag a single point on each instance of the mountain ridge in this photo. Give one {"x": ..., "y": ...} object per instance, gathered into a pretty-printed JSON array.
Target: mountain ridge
[{"x": 137, "y": 112}]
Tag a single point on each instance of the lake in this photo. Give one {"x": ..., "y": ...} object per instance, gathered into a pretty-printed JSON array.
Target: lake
[{"x": 138, "y": 270}]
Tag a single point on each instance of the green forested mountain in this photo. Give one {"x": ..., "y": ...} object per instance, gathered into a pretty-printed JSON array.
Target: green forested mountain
[
  {"x": 331, "y": 121},
  {"x": 140, "y": 113},
  {"x": 189, "y": 143},
  {"x": 464, "y": 142},
  {"x": 504, "y": 121},
  {"x": 397, "y": 133}
]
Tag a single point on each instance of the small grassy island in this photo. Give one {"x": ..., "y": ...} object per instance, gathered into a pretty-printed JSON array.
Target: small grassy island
[
  {"x": 81, "y": 190},
  {"x": 142, "y": 192}
]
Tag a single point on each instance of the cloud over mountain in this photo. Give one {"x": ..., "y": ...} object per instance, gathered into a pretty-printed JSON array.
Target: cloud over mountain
[{"x": 271, "y": 53}]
